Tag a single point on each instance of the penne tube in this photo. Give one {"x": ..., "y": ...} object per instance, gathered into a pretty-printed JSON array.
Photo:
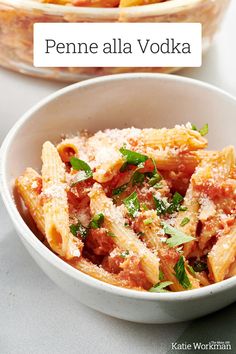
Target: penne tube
[
  {"x": 222, "y": 255},
  {"x": 68, "y": 148},
  {"x": 214, "y": 168},
  {"x": 55, "y": 205},
  {"x": 29, "y": 187},
  {"x": 99, "y": 273},
  {"x": 106, "y": 158},
  {"x": 123, "y": 237},
  {"x": 173, "y": 160},
  {"x": 182, "y": 138}
]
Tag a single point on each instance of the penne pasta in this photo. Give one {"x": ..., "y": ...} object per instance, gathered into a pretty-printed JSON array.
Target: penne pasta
[
  {"x": 137, "y": 208},
  {"x": 55, "y": 205},
  {"x": 29, "y": 188},
  {"x": 68, "y": 148},
  {"x": 99, "y": 273},
  {"x": 186, "y": 139},
  {"x": 123, "y": 237},
  {"x": 222, "y": 255},
  {"x": 153, "y": 236}
]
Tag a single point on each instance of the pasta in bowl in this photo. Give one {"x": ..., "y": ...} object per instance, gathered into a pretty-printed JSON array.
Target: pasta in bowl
[
  {"x": 136, "y": 222},
  {"x": 147, "y": 209}
]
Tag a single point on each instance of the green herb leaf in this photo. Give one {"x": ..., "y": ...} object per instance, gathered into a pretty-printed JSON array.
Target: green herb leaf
[
  {"x": 96, "y": 221},
  {"x": 133, "y": 157},
  {"x": 154, "y": 179},
  {"x": 159, "y": 288},
  {"x": 177, "y": 237},
  {"x": 120, "y": 189},
  {"x": 144, "y": 206},
  {"x": 161, "y": 274},
  {"x": 79, "y": 230},
  {"x": 175, "y": 204},
  {"x": 124, "y": 254},
  {"x": 183, "y": 208},
  {"x": 185, "y": 221},
  {"x": 199, "y": 266},
  {"x": 137, "y": 178},
  {"x": 181, "y": 275},
  {"x": 160, "y": 206},
  {"x": 132, "y": 204},
  {"x": 158, "y": 186},
  {"x": 204, "y": 130},
  {"x": 148, "y": 221},
  {"x": 80, "y": 165}
]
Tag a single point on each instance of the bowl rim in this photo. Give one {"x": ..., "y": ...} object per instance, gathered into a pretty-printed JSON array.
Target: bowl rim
[
  {"x": 162, "y": 8},
  {"x": 49, "y": 256}
]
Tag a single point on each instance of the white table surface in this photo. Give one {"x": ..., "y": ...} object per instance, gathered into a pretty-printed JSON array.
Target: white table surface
[{"x": 38, "y": 317}]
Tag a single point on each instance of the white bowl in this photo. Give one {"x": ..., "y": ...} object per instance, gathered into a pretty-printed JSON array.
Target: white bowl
[{"x": 141, "y": 100}]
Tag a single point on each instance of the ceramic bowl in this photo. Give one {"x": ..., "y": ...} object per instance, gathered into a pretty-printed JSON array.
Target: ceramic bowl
[{"x": 140, "y": 100}]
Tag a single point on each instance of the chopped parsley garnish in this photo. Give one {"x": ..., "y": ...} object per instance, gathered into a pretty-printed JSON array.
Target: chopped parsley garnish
[
  {"x": 181, "y": 275},
  {"x": 158, "y": 185},
  {"x": 199, "y": 266},
  {"x": 144, "y": 206},
  {"x": 120, "y": 189},
  {"x": 133, "y": 157},
  {"x": 132, "y": 204},
  {"x": 148, "y": 221},
  {"x": 183, "y": 208},
  {"x": 185, "y": 221},
  {"x": 79, "y": 230},
  {"x": 203, "y": 131},
  {"x": 163, "y": 208},
  {"x": 80, "y": 165},
  {"x": 160, "y": 206},
  {"x": 124, "y": 254},
  {"x": 137, "y": 178},
  {"x": 156, "y": 178},
  {"x": 96, "y": 221},
  {"x": 177, "y": 237},
  {"x": 160, "y": 288},
  {"x": 175, "y": 204},
  {"x": 161, "y": 274}
]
